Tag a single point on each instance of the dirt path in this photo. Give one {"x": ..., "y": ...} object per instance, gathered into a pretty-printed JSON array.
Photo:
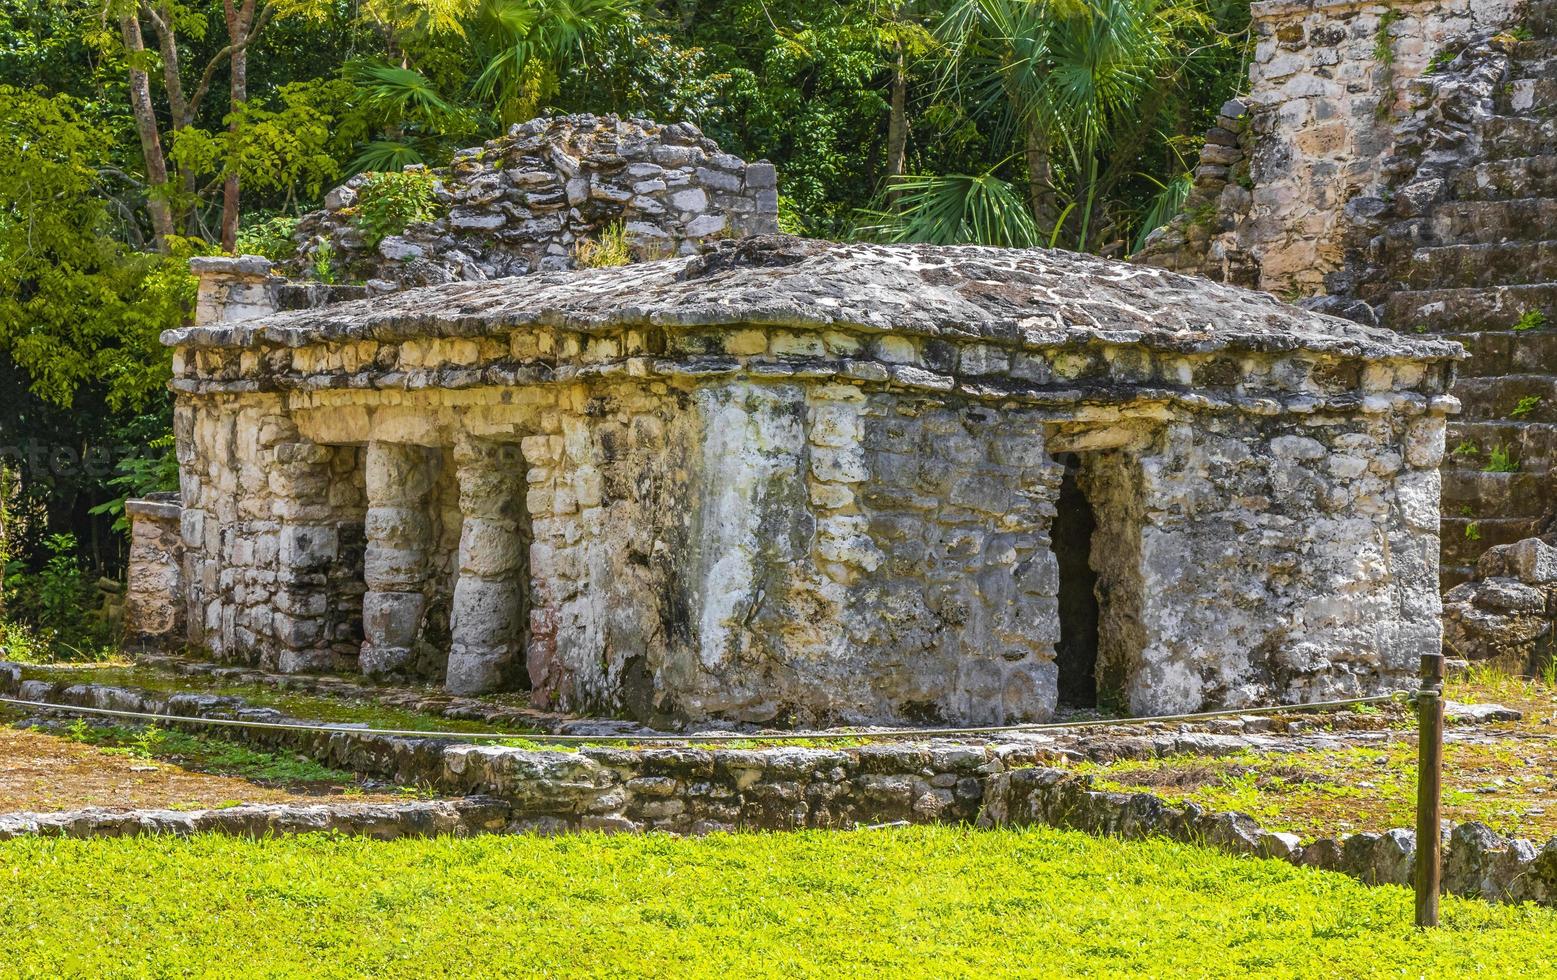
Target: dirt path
[{"x": 46, "y": 772}]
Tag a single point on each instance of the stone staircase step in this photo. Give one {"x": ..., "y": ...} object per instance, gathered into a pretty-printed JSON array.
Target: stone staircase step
[
  {"x": 1497, "y": 352},
  {"x": 1470, "y": 494},
  {"x": 1529, "y": 95},
  {"x": 1534, "y": 444},
  {"x": 1504, "y": 137},
  {"x": 1451, "y": 575},
  {"x": 1517, "y": 176},
  {"x": 1451, "y": 266},
  {"x": 1496, "y": 398},
  {"x": 1535, "y": 58},
  {"x": 1459, "y": 548},
  {"x": 1540, "y": 19},
  {"x": 1493, "y": 222},
  {"x": 1463, "y": 310}
]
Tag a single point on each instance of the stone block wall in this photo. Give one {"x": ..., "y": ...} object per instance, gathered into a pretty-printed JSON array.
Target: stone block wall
[
  {"x": 1507, "y": 613},
  {"x": 1327, "y": 84},
  {"x": 523, "y": 202}
]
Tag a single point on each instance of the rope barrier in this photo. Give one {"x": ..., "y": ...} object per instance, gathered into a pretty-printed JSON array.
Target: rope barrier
[{"x": 703, "y": 738}]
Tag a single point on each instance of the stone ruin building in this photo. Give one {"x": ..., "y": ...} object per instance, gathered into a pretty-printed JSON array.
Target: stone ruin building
[
  {"x": 793, "y": 482},
  {"x": 1397, "y": 164}
]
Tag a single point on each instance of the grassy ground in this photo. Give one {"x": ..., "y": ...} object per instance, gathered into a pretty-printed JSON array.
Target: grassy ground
[
  {"x": 921, "y": 902},
  {"x": 1503, "y": 775},
  {"x": 123, "y": 769}
]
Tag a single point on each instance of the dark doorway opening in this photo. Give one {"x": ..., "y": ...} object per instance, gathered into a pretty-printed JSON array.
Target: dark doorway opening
[{"x": 1076, "y": 655}]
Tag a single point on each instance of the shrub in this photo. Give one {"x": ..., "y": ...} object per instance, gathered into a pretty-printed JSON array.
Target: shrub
[
  {"x": 389, "y": 202},
  {"x": 157, "y": 471},
  {"x": 1530, "y": 320},
  {"x": 1500, "y": 459},
  {"x": 50, "y": 612},
  {"x": 271, "y": 238},
  {"x": 610, "y": 248}
]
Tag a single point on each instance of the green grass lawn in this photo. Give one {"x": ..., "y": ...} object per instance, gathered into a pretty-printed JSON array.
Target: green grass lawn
[{"x": 921, "y": 902}]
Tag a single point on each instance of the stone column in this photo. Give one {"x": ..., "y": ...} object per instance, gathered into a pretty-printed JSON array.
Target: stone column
[
  {"x": 488, "y": 616},
  {"x": 395, "y": 567},
  {"x": 154, "y": 599},
  {"x": 308, "y": 544}
]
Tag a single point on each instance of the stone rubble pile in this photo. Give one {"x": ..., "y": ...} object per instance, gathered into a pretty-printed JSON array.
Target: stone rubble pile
[
  {"x": 520, "y": 203},
  {"x": 1507, "y": 614}
]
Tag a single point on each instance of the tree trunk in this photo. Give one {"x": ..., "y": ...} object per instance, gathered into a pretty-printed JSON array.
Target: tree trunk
[
  {"x": 151, "y": 140},
  {"x": 1040, "y": 196},
  {"x": 239, "y": 21},
  {"x": 897, "y": 127},
  {"x": 5, "y": 533}
]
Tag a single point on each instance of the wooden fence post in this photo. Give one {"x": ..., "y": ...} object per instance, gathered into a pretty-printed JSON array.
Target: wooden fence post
[{"x": 1429, "y": 790}]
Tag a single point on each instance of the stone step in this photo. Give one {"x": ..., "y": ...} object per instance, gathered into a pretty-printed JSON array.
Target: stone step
[
  {"x": 1456, "y": 547},
  {"x": 1505, "y": 137},
  {"x": 1493, "y": 222},
  {"x": 1451, "y": 575},
  {"x": 1470, "y": 494},
  {"x": 1536, "y": 49},
  {"x": 1540, "y": 18},
  {"x": 1466, "y": 444},
  {"x": 1496, "y": 398},
  {"x": 1528, "y": 95},
  {"x": 1517, "y": 176},
  {"x": 1463, "y": 310},
  {"x": 1499, "y": 352},
  {"x": 1452, "y": 266}
]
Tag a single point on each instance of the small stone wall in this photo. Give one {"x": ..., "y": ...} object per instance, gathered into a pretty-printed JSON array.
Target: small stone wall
[
  {"x": 686, "y": 789},
  {"x": 154, "y": 602},
  {"x": 380, "y": 821},
  {"x": 523, "y": 202}
]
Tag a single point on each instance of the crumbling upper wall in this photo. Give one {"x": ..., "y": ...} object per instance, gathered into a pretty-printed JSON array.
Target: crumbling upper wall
[
  {"x": 1327, "y": 85},
  {"x": 519, "y": 204}
]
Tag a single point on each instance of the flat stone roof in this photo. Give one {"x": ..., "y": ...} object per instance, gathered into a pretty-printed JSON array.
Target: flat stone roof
[{"x": 1038, "y": 298}]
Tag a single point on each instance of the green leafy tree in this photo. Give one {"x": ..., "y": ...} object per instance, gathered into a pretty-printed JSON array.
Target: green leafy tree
[{"x": 77, "y": 307}]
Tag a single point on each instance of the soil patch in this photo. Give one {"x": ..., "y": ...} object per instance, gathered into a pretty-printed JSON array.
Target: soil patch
[{"x": 46, "y": 772}]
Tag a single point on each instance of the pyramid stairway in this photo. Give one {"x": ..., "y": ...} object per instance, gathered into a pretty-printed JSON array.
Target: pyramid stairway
[{"x": 1487, "y": 276}]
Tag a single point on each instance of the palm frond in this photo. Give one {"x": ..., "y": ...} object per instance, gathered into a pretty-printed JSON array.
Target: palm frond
[
  {"x": 957, "y": 209},
  {"x": 385, "y": 155},
  {"x": 399, "y": 92},
  {"x": 1164, "y": 205}
]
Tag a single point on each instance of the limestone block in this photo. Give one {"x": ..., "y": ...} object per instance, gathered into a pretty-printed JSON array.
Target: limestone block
[
  {"x": 392, "y": 619},
  {"x": 306, "y": 547},
  {"x": 839, "y": 465},
  {"x": 1532, "y": 560},
  {"x": 490, "y": 548}
]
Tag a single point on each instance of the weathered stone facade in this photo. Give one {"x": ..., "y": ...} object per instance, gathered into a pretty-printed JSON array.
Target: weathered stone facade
[
  {"x": 793, "y": 482},
  {"x": 521, "y": 203},
  {"x": 1416, "y": 191}
]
